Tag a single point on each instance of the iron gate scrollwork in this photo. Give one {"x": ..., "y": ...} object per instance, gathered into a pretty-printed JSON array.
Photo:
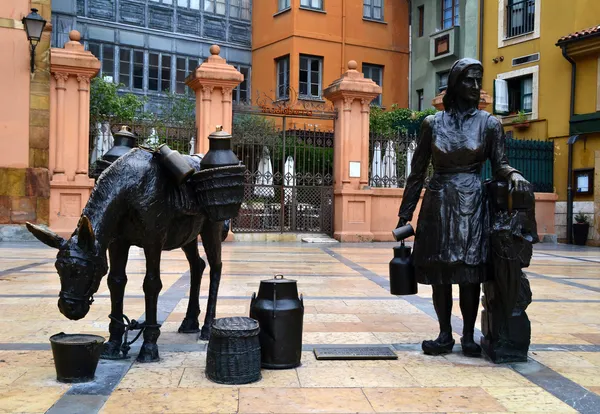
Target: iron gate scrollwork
[{"x": 289, "y": 176}]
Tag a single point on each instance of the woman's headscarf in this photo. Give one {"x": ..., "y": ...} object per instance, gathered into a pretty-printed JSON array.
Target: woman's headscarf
[{"x": 459, "y": 67}]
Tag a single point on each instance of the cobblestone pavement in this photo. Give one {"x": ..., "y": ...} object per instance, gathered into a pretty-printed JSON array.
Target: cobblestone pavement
[{"x": 346, "y": 302}]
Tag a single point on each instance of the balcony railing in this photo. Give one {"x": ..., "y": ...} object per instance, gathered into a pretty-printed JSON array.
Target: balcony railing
[{"x": 520, "y": 18}]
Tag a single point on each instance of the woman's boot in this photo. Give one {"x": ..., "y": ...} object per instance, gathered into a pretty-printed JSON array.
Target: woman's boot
[
  {"x": 442, "y": 302},
  {"x": 469, "y": 305}
]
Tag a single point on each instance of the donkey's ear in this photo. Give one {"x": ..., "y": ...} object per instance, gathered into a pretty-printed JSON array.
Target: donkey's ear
[
  {"x": 85, "y": 234},
  {"x": 46, "y": 236}
]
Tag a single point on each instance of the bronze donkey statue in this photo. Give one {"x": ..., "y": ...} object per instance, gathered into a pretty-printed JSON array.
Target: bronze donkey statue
[{"x": 136, "y": 203}]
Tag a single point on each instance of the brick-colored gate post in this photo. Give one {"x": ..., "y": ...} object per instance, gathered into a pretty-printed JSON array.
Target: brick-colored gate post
[
  {"x": 213, "y": 82},
  {"x": 71, "y": 67},
  {"x": 352, "y": 95}
]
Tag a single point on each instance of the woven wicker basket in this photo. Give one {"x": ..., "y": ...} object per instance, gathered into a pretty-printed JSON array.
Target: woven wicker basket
[
  {"x": 233, "y": 354},
  {"x": 220, "y": 190}
]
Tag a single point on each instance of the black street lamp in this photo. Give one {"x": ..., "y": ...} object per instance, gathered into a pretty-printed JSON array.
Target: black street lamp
[{"x": 34, "y": 26}]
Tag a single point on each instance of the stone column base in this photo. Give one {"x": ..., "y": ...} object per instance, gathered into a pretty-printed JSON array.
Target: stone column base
[
  {"x": 352, "y": 215},
  {"x": 67, "y": 200}
]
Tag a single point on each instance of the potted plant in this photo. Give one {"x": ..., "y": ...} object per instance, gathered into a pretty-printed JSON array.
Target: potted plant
[
  {"x": 581, "y": 229},
  {"x": 521, "y": 121}
]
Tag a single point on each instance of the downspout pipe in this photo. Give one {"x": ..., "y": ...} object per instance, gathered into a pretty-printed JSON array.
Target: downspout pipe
[
  {"x": 570, "y": 143},
  {"x": 481, "y": 3},
  {"x": 410, "y": 94}
]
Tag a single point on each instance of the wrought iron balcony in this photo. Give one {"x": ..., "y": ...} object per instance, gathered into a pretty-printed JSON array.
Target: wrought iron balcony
[{"x": 520, "y": 18}]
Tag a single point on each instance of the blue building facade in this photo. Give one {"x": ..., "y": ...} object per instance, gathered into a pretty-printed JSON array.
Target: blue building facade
[{"x": 151, "y": 46}]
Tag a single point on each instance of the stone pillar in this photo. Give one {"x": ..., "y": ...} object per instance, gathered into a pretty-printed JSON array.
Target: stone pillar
[
  {"x": 70, "y": 185},
  {"x": 351, "y": 95},
  {"x": 213, "y": 82}
]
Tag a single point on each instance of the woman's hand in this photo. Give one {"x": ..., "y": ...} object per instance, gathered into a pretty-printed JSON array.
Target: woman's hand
[
  {"x": 519, "y": 183},
  {"x": 401, "y": 222}
]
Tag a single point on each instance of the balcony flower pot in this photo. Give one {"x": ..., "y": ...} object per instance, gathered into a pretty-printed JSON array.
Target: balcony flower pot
[
  {"x": 580, "y": 233},
  {"x": 521, "y": 125}
]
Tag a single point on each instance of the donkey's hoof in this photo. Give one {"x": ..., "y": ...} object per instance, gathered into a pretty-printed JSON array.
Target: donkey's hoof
[
  {"x": 205, "y": 333},
  {"x": 111, "y": 350},
  {"x": 189, "y": 326},
  {"x": 148, "y": 353}
]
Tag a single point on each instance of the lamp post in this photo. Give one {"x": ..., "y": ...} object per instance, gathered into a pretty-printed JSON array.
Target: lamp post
[{"x": 34, "y": 26}]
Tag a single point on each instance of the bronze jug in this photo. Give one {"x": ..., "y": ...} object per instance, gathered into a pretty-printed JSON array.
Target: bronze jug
[
  {"x": 280, "y": 313},
  {"x": 175, "y": 163},
  {"x": 219, "y": 153},
  {"x": 124, "y": 142},
  {"x": 403, "y": 280}
]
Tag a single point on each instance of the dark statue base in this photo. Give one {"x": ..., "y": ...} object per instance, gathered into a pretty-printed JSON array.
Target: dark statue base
[
  {"x": 504, "y": 322},
  {"x": 509, "y": 346}
]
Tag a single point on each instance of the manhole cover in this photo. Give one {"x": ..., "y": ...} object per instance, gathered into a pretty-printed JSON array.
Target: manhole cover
[{"x": 367, "y": 352}]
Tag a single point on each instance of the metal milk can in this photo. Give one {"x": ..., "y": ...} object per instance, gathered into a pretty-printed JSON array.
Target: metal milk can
[
  {"x": 279, "y": 312},
  {"x": 219, "y": 153},
  {"x": 403, "y": 280}
]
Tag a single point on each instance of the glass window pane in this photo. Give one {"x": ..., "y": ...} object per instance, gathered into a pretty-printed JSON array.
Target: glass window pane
[
  {"x": 377, "y": 13},
  {"x": 314, "y": 64},
  {"x": 95, "y": 49},
  {"x": 303, "y": 88},
  {"x": 303, "y": 63},
  {"x": 303, "y": 76},
  {"x": 209, "y": 5},
  {"x": 366, "y": 11},
  {"x": 165, "y": 75},
  {"x": 377, "y": 3},
  {"x": 181, "y": 63},
  {"x": 138, "y": 69},
  {"x": 153, "y": 72},
  {"x": 167, "y": 1},
  {"x": 304, "y": 2},
  {"x": 182, "y": 3},
  {"x": 125, "y": 67},
  {"x": 314, "y": 89},
  {"x": 195, "y": 4},
  {"x": 108, "y": 59},
  {"x": 317, "y": 4},
  {"x": 234, "y": 12},
  {"x": 221, "y": 7}
]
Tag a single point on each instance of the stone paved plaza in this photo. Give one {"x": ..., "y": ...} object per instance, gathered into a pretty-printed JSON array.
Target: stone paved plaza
[{"x": 346, "y": 302}]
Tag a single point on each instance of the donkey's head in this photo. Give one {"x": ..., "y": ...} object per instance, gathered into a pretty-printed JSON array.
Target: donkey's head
[{"x": 80, "y": 264}]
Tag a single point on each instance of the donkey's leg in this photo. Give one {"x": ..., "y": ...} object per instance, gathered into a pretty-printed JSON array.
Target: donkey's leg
[
  {"x": 152, "y": 287},
  {"x": 197, "y": 265},
  {"x": 211, "y": 240},
  {"x": 117, "y": 279}
]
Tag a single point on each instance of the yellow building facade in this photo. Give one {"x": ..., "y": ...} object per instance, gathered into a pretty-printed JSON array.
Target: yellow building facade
[{"x": 530, "y": 79}]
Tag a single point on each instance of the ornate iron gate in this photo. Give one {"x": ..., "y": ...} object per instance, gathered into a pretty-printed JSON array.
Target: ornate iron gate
[{"x": 289, "y": 177}]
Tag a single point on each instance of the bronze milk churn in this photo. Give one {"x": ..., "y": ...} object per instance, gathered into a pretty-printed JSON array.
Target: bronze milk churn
[
  {"x": 219, "y": 153},
  {"x": 403, "y": 280},
  {"x": 280, "y": 313},
  {"x": 124, "y": 142}
]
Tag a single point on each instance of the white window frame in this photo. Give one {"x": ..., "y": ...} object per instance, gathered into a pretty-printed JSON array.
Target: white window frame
[
  {"x": 532, "y": 70},
  {"x": 309, "y": 80},
  {"x": 310, "y": 6},
  {"x": 368, "y": 67},
  {"x": 503, "y": 41},
  {"x": 285, "y": 61}
]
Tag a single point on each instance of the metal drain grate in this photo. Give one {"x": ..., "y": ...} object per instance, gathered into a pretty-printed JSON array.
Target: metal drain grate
[{"x": 365, "y": 352}]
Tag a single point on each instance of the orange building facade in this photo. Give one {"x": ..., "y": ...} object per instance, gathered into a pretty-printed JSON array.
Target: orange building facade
[{"x": 300, "y": 46}]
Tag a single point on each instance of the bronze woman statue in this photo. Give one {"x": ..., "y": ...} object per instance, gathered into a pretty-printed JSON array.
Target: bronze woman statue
[{"x": 452, "y": 238}]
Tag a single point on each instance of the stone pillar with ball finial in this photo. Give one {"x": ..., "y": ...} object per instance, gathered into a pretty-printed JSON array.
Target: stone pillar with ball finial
[
  {"x": 351, "y": 95},
  {"x": 71, "y": 67},
  {"x": 213, "y": 82}
]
